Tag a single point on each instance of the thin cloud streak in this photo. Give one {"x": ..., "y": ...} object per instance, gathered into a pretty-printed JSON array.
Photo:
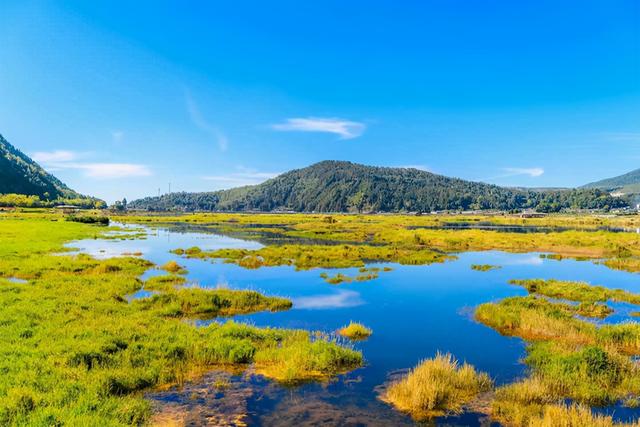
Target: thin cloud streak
[
  {"x": 54, "y": 156},
  {"x": 197, "y": 119},
  {"x": 112, "y": 170},
  {"x": 511, "y": 172},
  {"x": 62, "y": 159},
  {"x": 345, "y": 129},
  {"x": 532, "y": 172}
]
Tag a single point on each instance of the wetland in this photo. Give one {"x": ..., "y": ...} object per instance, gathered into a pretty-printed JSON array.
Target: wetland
[{"x": 341, "y": 320}]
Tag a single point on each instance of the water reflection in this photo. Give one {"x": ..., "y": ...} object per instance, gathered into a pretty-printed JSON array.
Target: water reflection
[{"x": 339, "y": 299}]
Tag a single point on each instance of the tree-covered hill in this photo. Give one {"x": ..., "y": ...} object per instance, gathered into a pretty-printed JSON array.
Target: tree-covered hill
[
  {"x": 20, "y": 175},
  {"x": 628, "y": 183},
  {"x": 337, "y": 186}
]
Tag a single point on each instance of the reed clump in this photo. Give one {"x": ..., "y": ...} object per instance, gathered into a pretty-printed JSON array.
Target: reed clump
[
  {"x": 298, "y": 358},
  {"x": 355, "y": 331},
  {"x": 437, "y": 386}
]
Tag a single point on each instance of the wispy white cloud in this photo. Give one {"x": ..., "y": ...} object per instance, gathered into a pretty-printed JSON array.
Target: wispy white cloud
[
  {"x": 54, "y": 156},
  {"x": 111, "y": 170},
  {"x": 514, "y": 171},
  {"x": 243, "y": 176},
  {"x": 345, "y": 129},
  {"x": 532, "y": 172},
  {"x": 201, "y": 123},
  {"x": 63, "y": 159},
  {"x": 339, "y": 299}
]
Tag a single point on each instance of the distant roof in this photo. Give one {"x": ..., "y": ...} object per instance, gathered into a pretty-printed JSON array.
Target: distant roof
[{"x": 66, "y": 207}]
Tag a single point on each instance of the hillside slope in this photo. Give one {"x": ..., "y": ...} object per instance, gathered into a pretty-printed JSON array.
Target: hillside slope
[
  {"x": 627, "y": 183},
  {"x": 338, "y": 186},
  {"x": 19, "y": 174}
]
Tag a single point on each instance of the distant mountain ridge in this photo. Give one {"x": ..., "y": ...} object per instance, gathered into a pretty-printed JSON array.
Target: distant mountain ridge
[
  {"x": 628, "y": 183},
  {"x": 340, "y": 186},
  {"x": 19, "y": 174}
]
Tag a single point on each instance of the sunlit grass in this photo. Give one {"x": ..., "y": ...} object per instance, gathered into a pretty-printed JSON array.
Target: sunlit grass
[
  {"x": 355, "y": 331},
  {"x": 327, "y": 256},
  {"x": 570, "y": 358},
  {"x": 173, "y": 267},
  {"x": 297, "y": 358},
  {"x": 576, "y": 291},
  {"x": 437, "y": 386}
]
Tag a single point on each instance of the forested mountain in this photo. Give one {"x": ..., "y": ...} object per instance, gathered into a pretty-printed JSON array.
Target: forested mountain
[
  {"x": 628, "y": 183},
  {"x": 337, "y": 186},
  {"x": 20, "y": 175}
]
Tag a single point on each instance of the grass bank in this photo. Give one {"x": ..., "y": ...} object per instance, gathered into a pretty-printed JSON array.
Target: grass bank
[{"x": 569, "y": 358}]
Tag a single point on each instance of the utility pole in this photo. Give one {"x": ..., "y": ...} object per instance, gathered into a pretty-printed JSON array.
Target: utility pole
[{"x": 169, "y": 188}]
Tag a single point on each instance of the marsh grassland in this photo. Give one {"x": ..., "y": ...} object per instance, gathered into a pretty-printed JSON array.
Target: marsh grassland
[
  {"x": 77, "y": 349},
  {"x": 75, "y": 352}
]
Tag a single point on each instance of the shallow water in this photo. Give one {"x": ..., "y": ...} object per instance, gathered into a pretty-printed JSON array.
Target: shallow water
[{"x": 414, "y": 311}]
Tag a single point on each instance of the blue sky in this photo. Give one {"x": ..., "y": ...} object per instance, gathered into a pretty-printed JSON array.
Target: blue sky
[{"x": 120, "y": 98}]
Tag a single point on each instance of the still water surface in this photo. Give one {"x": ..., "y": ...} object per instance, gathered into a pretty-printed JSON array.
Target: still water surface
[{"x": 414, "y": 311}]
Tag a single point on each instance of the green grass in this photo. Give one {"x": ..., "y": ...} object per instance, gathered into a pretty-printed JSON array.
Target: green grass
[
  {"x": 537, "y": 319},
  {"x": 305, "y": 257},
  {"x": 364, "y": 274},
  {"x": 530, "y": 403},
  {"x": 73, "y": 351},
  {"x": 355, "y": 331},
  {"x": 437, "y": 386},
  {"x": 167, "y": 282},
  {"x": 594, "y": 310},
  {"x": 485, "y": 267},
  {"x": 591, "y": 374},
  {"x": 298, "y": 358},
  {"x": 576, "y": 291},
  {"x": 337, "y": 279},
  {"x": 569, "y": 358},
  {"x": 193, "y": 302}
]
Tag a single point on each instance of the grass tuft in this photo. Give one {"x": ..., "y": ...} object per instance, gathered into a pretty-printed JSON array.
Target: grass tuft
[
  {"x": 355, "y": 331},
  {"x": 437, "y": 386},
  {"x": 173, "y": 267}
]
